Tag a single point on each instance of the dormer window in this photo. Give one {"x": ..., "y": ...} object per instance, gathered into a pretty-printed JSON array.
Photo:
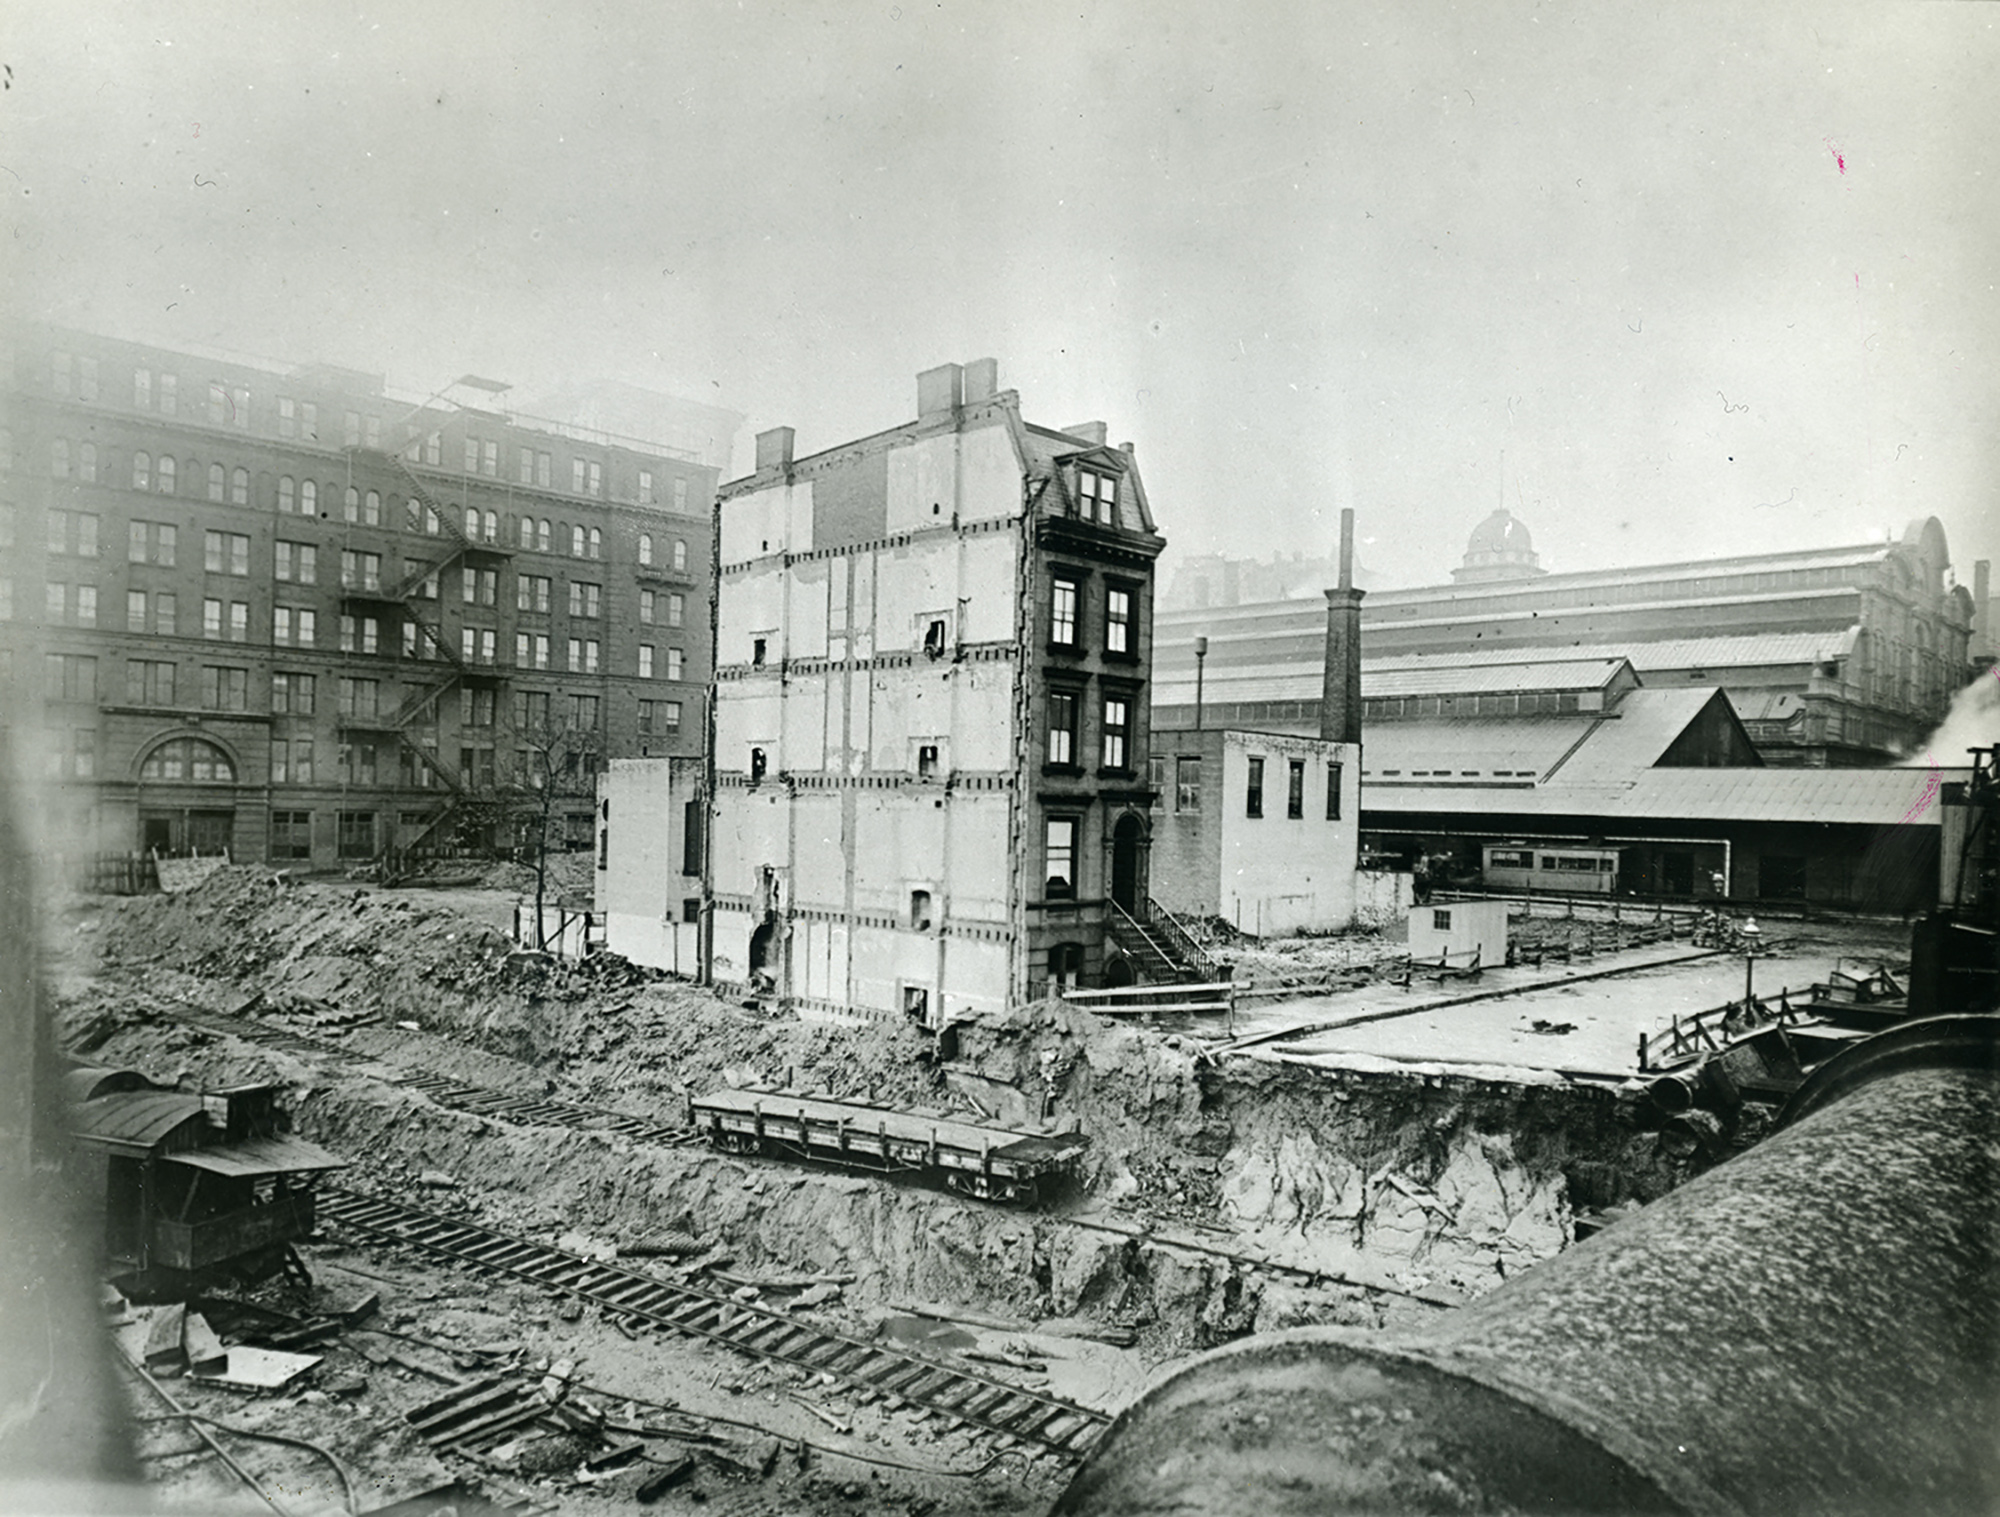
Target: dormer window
[{"x": 1097, "y": 496}]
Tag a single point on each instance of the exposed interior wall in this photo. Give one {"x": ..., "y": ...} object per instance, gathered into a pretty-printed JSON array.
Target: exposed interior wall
[
  {"x": 640, "y": 887},
  {"x": 874, "y": 677}
]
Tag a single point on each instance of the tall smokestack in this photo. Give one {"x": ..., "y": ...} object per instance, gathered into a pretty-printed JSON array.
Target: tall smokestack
[
  {"x": 1982, "y": 584},
  {"x": 1340, "y": 697}
]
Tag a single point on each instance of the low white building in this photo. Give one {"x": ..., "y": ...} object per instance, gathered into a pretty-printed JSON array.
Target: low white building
[
  {"x": 1258, "y": 828},
  {"x": 649, "y": 837}
]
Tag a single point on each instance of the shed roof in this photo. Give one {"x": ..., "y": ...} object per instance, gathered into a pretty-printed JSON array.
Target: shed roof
[
  {"x": 1638, "y": 733},
  {"x": 281, "y": 1155},
  {"x": 1483, "y": 677},
  {"x": 1519, "y": 749},
  {"x": 1846, "y": 797},
  {"x": 133, "y": 1122}
]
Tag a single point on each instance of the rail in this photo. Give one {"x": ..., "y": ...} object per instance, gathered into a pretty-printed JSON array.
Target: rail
[
  {"x": 1065, "y": 1429},
  {"x": 1214, "y": 995},
  {"x": 1716, "y": 1028},
  {"x": 1204, "y": 964}
]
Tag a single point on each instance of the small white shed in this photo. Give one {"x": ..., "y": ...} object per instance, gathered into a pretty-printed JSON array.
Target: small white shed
[{"x": 1454, "y": 932}]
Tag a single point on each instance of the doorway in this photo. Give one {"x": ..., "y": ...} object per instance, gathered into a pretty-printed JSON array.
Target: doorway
[{"x": 1127, "y": 843}]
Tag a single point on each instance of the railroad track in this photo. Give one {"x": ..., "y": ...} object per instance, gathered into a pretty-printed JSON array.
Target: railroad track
[{"x": 1050, "y": 1424}]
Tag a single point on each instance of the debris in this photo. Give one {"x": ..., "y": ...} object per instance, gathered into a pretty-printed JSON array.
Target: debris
[
  {"x": 353, "y": 1309},
  {"x": 612, "y": 1456},
  {"x": 1012, "y": 1361},
  {"x": 668, "y": 1245},
  {"x": 817, "y": 1295},
  {"x": 165, "y": 1354},
  {"x": 205, "y": 1352},
  {"x": 671, "y": 1475},
  {"x": 259, "y": 1369},
  {"x": 432, "y": 1179},
  {"x": 824, "y": 1416},
  {"x": 1551, "y": 1029},
  {"x": 959, "y": 1314}
]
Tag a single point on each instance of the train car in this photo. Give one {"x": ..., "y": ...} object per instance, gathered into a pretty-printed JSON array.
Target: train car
[
  {"x": 1547, "y": 868},
  {"x": 196, "y": 1185},
  {"x": 990, "y": 1163}
]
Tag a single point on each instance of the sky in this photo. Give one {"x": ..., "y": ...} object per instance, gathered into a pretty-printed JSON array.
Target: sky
[{"x": 1669, "y": 281}]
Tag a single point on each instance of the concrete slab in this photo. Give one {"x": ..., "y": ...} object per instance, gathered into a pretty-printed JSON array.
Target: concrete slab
[{"x": 1605, "y": 1004}]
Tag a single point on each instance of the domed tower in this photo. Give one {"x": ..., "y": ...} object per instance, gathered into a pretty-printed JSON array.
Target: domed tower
[{"x": 1498, "y": 549}]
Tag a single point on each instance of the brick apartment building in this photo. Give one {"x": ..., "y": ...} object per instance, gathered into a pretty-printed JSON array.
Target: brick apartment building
[{"x": 288, "y": 613}]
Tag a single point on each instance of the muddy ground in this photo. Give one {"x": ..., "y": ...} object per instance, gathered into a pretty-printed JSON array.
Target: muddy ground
[{"x": 1220, "y": 1196}]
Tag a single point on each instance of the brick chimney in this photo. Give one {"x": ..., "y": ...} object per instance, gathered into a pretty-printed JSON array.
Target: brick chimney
[{"x": 1340, "y": 696}]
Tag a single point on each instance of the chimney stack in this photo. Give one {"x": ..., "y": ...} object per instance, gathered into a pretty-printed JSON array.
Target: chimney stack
[
  {"x": 1340, "y": 696},
  {"x": 940, "y": 390},
  {"x": 774, "y": 449}
]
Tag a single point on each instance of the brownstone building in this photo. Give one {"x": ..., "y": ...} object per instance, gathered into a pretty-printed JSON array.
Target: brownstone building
[{"x": 289, "y": 613}]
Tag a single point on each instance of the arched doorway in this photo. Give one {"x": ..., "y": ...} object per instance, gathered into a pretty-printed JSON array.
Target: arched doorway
[
  {"x": 1128, "y": 845},
  {"x": 187, "y": 797}
]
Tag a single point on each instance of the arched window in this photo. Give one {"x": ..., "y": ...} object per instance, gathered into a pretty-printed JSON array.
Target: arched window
[
  {"x": 239, "y": 488},
  {"x": 168, "y": 472},
  {"x": 680, "y": 555},
  {"x": 189, "y": 759},
  {"x": 371, "y": 509},
  {"x": 308, "y": 498},
  {"x": 493, "y": 526},
  {"x": 288, "y": 495},
  {"x": 472, "y": 523},
  {"x": 527, "y": 532},
  {"x": 544, "y": 535},
  {"x": 576, "y": 541},
  {"x": 645, "y": 547},
  {"x": 86, "y": 462},
  {"x": 350, "y": 504},
  {"x": 218, "y": 483},
  {"x": 596, "y": 543}
]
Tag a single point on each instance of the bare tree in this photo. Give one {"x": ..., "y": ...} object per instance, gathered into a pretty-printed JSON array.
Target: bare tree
[{"x": 559, "y": 762}]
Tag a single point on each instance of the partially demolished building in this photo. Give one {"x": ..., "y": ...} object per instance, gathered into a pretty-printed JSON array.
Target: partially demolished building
[{"x": 932, "y": 709}]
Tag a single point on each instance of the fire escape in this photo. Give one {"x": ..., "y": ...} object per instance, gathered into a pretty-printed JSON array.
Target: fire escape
[{"x": 466, "y": 807}]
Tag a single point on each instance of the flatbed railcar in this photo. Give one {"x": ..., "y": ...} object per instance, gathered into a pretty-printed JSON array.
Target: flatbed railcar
[{"x": 990, "y": 1163}]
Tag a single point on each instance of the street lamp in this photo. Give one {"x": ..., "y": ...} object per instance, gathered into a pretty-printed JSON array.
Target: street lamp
[
  {"x": 1200, "y": 658},
  {"x": 1752, "y": 936}
]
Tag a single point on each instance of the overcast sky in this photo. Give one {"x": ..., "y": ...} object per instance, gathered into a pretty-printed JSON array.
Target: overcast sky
[{"x": 1711, "y": 279}]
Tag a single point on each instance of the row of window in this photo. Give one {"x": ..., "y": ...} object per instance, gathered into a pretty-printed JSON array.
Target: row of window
[
  {"x": 301, "y": 497},
  {"x": 1114, "y": 730},
  {"x": 230, "y": 405},
  {"x": 1067, "y": 613},
  {"x": 1295, "y": 789},
  {"x": 72, "y": 677},
  {"x": 158, "y": 612}
]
